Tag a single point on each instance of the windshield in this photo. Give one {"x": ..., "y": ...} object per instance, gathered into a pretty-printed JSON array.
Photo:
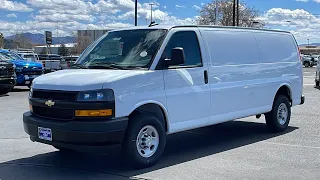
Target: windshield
[
  {"x": 11, "y": 56},
  {"x": 30, "y": 57},
  {"x": 123, "y": 49}
]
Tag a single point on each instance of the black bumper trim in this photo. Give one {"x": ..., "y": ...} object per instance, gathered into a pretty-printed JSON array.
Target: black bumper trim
[
  {"x": 7, "y": 82},
  {"x": 83, "y": 133},
  {"x": 302, "y": 100}
]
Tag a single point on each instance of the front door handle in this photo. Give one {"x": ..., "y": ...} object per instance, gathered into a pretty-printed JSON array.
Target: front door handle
[{"x": 206, "y": 80}]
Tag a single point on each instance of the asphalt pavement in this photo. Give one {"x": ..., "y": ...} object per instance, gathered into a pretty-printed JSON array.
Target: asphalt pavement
[{"x": 242, "y": 149}]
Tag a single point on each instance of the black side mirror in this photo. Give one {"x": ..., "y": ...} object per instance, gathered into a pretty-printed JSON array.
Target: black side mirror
[{"x": 177, "y": 57}]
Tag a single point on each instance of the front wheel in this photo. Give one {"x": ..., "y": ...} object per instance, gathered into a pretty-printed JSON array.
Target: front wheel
[
  {"x": 5, "y": 91},
  {"x": 278, "y": 119},
  {"x": 145, "y": 140},
  {"x": 306, "y": 64}
]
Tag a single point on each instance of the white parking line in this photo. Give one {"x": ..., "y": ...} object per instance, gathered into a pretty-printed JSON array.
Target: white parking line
[{"x": 292, "y": 145}]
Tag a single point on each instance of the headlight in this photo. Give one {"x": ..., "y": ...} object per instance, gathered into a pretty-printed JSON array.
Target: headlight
[
  {"x": 97, "y": 95},
  {"x": 31, "y": 92},
  {"x": 19, "y": 69}
]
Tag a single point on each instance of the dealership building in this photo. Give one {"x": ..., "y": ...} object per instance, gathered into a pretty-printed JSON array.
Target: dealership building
[{"x": 311, "y": 49}]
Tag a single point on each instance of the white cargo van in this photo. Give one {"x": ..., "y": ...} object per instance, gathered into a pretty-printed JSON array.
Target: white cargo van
[{"x": 138, "y": 85}]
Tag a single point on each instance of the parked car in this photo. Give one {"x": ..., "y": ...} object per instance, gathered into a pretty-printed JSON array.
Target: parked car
[
  {"x": 309, "y": 61},
  {"x": 29, "y": 57},
  {"x": 26, "y": 71},
  {"x": 68, "y": 61},
  {"x": 50, "y": 62},
  {"x": 7, "y": 75},
  {"x": 138, "y": 85},
  {"x": 316, "y": 59},
  {"x": 317, "y": 79}
]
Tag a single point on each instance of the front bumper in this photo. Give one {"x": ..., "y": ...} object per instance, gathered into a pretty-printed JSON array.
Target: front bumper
[
  {"x": 78, "y": 133},
  {"x": 23, "y": 80},
  {"x": 7, "y": 83}
]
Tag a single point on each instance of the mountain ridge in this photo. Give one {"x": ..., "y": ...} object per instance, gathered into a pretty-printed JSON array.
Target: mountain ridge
[{"x": 38, "y": 39}]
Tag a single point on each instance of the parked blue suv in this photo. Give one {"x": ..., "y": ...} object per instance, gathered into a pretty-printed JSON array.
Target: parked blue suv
[{"x": 26, "y": 71}]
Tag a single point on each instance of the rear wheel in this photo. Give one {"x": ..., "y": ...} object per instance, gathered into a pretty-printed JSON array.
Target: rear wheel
[
  {"x": 145, "y": 140},
  {"x": 278, "y": 119},
  {"x": 317, "y": 83}
]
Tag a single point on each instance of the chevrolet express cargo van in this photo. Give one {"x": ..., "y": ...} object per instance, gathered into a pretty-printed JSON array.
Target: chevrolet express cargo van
[{"x": 138, "y": 85}]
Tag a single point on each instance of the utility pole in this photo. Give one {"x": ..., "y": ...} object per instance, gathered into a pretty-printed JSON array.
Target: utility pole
[
  {"x": 308, "y": 46},
  {"x": 136, "y": 13},
  {"x": 234, "y": 13},
  {"x": 238, "y": 14},
  {"x": 151, "y": 4},
  {"x": 216, "y": 13}
]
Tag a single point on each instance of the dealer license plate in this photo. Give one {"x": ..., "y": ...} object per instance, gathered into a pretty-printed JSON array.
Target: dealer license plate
[{"x": 45, "y": 133}]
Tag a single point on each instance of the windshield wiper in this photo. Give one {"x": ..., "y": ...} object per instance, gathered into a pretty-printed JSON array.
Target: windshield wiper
[
  {"x": 114, "y": 66},
  {"x": 79, "y": 66},
  {"x": 106, "y": 66}
]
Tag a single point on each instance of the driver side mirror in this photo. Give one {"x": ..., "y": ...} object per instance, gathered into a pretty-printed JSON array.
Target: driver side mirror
[{"x": 177, "y": 57}]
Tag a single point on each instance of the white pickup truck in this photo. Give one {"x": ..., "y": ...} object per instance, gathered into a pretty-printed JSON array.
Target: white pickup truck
[
  {"x": 50, "y": 62},
  {"x": 138, "y": 85}
]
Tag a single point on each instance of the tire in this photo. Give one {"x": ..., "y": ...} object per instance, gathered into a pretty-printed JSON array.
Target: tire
[
  {"x": 5, "y": 91},
  {"x": 317, "y": 83},
  {"x": 136, "y": 155},
  {"x": 307, "y": 64},
  {"x": 277, "y": 123}
]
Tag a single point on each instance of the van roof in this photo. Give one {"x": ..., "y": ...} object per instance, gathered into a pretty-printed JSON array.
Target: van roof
[{"x": 168, "y": 27}]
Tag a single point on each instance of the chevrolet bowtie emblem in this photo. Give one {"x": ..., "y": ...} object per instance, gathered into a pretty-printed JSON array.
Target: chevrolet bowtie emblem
[{"x": 49, "y": 103}]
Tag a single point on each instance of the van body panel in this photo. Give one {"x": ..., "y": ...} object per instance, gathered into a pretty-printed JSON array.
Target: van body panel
[
  {"x": 187, "y": 94},
  {"x": 245, "y": 68},
  {"x": 244, "y": 83}
]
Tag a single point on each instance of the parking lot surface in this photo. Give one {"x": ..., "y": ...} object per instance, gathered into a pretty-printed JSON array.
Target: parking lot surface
[{"x": 242, "y": 149}]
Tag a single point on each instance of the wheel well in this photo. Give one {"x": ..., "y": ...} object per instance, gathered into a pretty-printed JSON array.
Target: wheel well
[
  {"x": 154, "y": 109},
  {"x": 284, "y": 90}
]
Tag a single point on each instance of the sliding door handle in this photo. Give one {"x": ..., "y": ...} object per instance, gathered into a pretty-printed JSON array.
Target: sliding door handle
[{"x": 206, "y": 80}]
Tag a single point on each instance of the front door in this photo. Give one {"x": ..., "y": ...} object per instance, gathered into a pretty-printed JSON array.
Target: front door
[{"x": 187, "y": 90}]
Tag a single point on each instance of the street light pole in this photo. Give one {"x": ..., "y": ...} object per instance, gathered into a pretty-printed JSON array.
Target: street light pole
[
  {"x": 136, "y": 13},
  {"x": 151, "y": 4}
]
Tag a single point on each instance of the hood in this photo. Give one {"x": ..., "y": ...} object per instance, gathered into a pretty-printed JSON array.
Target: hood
[
  {"x": 22, "y": 63},
  {"x": 82, "y": 79},
  {"x": 5, "y": 63}
]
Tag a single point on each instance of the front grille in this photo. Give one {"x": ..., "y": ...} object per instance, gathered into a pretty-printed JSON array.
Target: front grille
[
  {"x": 3, "y": 72},
  {"x": 7, "y": 72},
  {"x": 32, "y": 72},
  {"x": 54, "y": 113},
  {"x": 55, "y": 95}
]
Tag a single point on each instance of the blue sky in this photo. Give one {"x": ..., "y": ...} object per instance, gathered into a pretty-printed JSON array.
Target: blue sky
[{"x": 301, "y": 17}]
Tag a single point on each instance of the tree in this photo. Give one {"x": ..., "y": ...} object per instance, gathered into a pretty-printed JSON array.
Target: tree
[
  {"x": 1, "y": 40},
  {"x": 21, "y": 41},
  {"x": 62, "y": 50},
  {"x": 247, "y": 15}
]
